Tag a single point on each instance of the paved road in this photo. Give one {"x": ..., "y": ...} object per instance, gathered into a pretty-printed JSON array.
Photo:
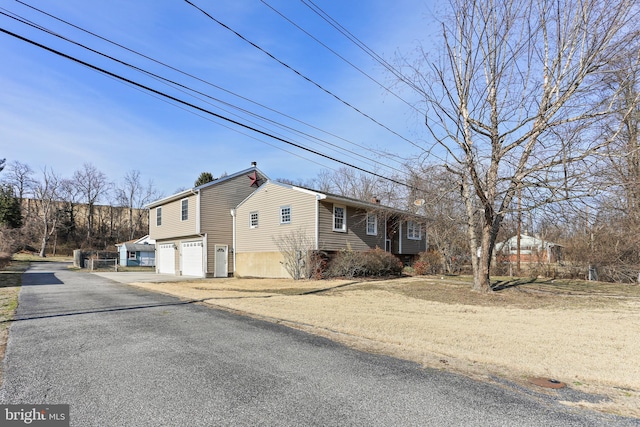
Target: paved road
[{"x": 122, "y": 356}]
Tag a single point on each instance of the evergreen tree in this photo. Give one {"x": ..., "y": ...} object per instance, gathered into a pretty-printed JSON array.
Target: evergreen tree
[
  {"x": 10, "y": 214},
  {"x": 204, "y": 178}
]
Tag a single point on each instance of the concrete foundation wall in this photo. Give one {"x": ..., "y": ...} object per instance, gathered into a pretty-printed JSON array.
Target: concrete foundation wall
[{"x": 260, "y": 264}]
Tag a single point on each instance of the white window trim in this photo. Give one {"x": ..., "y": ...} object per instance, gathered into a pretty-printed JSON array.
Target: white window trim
[
  {"x": 281, "y": 216},
  {"x": 131, "y": 255},
  {"x": 375, "y": 224},
  {"x": 411, "y": 230},
  {"x": 251, "y": 214},
  {"x": 182, "y": 216},
  {"x": 159, "y": 216},
  {"x": 344, "y": 219}
]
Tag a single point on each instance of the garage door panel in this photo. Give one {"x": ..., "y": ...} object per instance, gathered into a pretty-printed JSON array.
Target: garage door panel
[
  {"x": 166, "y": 259},
  {"x": 192, "y": 259}
]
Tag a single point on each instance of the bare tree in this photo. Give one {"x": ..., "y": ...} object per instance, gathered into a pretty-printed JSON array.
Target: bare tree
[
  {"x": 295, "y": 247},
  {"x": 352, "y": 183},
  {"x": 134, "y": 195},
  {"x": 71, "y": 198},
  {"x": 46, "y": 194},
  {"x": 511, "y": 102},
  {"x": 435, "y": 196},
  {"x": 92, "y": 185}
]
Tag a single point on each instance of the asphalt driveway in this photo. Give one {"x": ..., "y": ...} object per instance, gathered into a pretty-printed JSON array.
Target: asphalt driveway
[{"x": 122, "y": 356}]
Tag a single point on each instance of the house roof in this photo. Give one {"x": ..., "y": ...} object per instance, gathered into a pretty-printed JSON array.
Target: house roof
[
  {"x": 141, "y": 240},
  {"x": 525, "y": 240},
  {"x": 195, "y": 190},
  {"x": 337, "y": 198},
  {"x": 139, "y": 247}
]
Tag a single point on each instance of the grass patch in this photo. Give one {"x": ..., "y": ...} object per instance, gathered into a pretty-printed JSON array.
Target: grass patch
[
  {"x": 10, "y": 282},
  {"x": 31, "y": 257},
  {"x": 523, "y": 293}
]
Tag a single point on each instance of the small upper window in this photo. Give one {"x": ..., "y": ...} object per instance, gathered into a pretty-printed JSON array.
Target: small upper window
[
  {"x": 253, "y": 219},
  {"x": 285, "y": 215},
  {"x": 185, "y": 210},
  {"x": 158, "y": 217},
  {"x": 413, "y": 230},
  {"x": 131, "y": 255},
  {"x": 372, "y": 224},
  {"x": 339, "y": 218}
]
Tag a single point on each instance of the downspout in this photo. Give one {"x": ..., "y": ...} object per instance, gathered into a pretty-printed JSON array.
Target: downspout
[
  {"x": 386, "y": 236},
  {"x": 400, "y": 239},
  {"x": 233, "y": 243},
  {"x": 197, "y": 194},
  {"x": 205, "y": 243},
  {"x": 317, "y": 225}
]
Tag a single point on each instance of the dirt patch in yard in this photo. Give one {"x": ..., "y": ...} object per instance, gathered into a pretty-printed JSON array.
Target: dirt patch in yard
[{"x": 579, "y": 333}]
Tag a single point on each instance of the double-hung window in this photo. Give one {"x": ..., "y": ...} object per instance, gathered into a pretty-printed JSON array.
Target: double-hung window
[
  {"x": 339, "y": 218},
  {"x": 253, "y": 220},
  {"x": 413, "y": 231},
  {"x": 285, "y": 215},
  {"x": 184, "y": 215},
  {"x": 372, "y": 224},
  {"x": 158, "y": 217}
]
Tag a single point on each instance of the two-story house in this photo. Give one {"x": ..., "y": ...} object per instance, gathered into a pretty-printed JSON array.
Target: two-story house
[{"x": 193, "y": 229}]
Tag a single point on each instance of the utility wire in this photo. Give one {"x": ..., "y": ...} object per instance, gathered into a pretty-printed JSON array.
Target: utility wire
[
  {"x": 196, "y": 107},
  {"x": 342, "y": 57},
  {"x": 327, "y": 91},
  {"x": 342, "y": 30},
  {"x": 219, "y": 123},
  {"x": 307, "y": 136},
  {"x": 382, "y": 154}
]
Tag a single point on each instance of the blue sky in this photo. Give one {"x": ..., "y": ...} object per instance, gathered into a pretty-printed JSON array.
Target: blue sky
[{"x": 59, "y": 114}]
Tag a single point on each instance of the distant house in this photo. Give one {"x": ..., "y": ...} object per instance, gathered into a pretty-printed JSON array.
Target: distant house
[
  {"x": 330, "y": 222},
  {"x": 532, "y": 250},
  {"x": 137, "y": 253}
]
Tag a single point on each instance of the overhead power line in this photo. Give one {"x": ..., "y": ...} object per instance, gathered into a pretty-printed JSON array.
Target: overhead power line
[
  {"x": 388, "y": 90},
  {"x": 185, "y": 89},
  {"x": 308, "y": 79},
  {"x": 196, "y": 107},
  {"x": 381, "y": 154},
  {"x": 355, "y": 40}
]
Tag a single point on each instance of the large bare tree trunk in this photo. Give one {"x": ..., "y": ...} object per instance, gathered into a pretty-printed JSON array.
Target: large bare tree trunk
[{"x": 512, "y": 102}]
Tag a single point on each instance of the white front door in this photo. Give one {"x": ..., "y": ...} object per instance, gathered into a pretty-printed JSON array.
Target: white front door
[
  {"x": 192, "y": 259},
  {"x": 166, "y": 259},
  {"x": 221, "y": 260}
]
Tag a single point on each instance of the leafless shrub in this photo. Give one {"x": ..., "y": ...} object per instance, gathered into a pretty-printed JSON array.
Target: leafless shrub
[
  {"x": 371, "y": 263},
  {"x": 10, "y": 240},
  {"x": 295, "y": 248}
]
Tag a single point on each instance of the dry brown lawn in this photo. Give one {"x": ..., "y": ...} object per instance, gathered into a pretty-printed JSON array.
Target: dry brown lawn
[{"x": 582, "y": 333}]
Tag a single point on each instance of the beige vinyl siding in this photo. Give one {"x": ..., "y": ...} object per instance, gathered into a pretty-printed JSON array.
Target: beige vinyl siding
[
  {"x": 267, "y": 203},
  {"x": 172, "y": 224},
  {"x": 356, "y": 235},
  {"x": 216, "y": 202}
]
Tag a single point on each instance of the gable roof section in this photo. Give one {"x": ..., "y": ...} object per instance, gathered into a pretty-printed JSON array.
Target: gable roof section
[
  {"x": 335, "y": 198},
  {"x": 195, "y": 190}
]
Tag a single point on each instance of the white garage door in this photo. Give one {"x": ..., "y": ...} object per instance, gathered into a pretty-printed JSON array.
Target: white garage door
[
  {"x": 166, "y": 259},
  {"x": 192, "y": 259}
]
